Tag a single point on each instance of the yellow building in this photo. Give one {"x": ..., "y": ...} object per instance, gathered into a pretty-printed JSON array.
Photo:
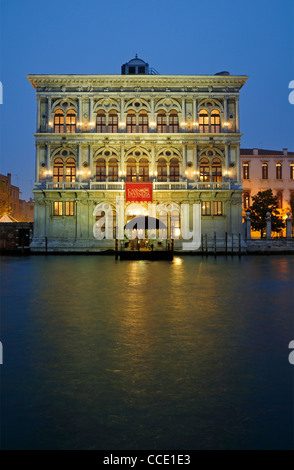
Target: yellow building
[{"x": 110, "y": 148}]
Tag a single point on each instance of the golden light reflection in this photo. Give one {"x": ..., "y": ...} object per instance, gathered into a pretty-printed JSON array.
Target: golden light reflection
[{"x": 177, "y": 260}]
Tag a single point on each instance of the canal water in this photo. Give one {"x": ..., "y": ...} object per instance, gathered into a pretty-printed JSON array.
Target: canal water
[{"x": 189, "y": 354}]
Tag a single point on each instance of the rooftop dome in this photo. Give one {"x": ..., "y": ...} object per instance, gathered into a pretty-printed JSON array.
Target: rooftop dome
[{"x": 135, "y": 66}]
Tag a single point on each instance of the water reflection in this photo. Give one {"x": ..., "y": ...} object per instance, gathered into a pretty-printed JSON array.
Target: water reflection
[{"x": 189, "y": 354}]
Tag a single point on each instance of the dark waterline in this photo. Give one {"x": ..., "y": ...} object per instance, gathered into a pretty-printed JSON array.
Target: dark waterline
[{"x": 189, "y": 354}]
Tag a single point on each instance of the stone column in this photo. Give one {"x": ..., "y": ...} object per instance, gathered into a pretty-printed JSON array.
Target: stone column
[
  {"x": 153, "y": 164},
  {"x": 79, "y": 162},
  {"x": 91, "y": 164},
  {"x": 237, "y": 115},
  {"x": 225, "y": 114},
  {"x": 194, "y": 111},
  {"x": 268, "y": 226},
  {"x": 152, "y": 110},
  {"x": 48, "y": 163},
  {"x": 91, "y": 115},
  {"x": 226, "y": 157},
  {"x": 38, "y": 113},
  {"x": 122, "y": 116},
  {"x": 122, "y": 166},
  {"x": 37, "y": 167},
  {"x": 248, "y": 226},
  {"x": 80, "y": 114},
  {"x": 184, "y": 162},
  {"x": 49, "y": 117},
  {"x": 288, "y": 226}
]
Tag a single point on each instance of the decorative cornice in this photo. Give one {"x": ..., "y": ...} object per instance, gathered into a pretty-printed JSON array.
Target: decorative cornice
[{"x": 181, "y": 83}]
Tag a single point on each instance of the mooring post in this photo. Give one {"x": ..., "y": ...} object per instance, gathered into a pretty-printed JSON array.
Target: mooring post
[
  {"x": 202, "y": 247},
  {"x": 206, "y": 244},
  {"x": 288, "y": 225},
  {"x": 214, "y": 244},
  {"x": 232, "y": 252},
  {"x": 226, "y": 249},
  {"x": 116, "y": 248},
  {"x": 46, "y": 245},
  {"x": 239, "y": 245}
]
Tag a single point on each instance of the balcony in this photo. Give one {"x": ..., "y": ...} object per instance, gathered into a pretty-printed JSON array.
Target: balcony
[
  {"x": 170, "y": 185},
  {"x": 210, "y": 185},
  {"x": 157, "y": 186},
  {"x": 108, "y": 185},
  {"x": 64, "y": 185}
]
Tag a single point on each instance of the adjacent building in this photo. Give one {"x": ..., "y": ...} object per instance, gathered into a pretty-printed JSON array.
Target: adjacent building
[
  {"x": 114, "y": 148},
  {"x": 268, "y": 169},
  {"x": 10, "y": 203}
]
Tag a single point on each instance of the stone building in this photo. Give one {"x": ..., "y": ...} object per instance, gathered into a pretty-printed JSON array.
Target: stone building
[
  {"x": 268, "y": 169},
  {"x": 10, "y": 203},
  {"x": 9, "y": 199},
  {"x": 111, "y": 149}
]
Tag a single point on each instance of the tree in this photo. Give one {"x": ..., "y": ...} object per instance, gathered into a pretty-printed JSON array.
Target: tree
[
  {"x": 5, "y": 204},
  {"x": 264, "y": 202}
]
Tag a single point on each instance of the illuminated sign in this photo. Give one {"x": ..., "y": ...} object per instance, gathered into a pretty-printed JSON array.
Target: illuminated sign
[{"x": 136, "y": 192}]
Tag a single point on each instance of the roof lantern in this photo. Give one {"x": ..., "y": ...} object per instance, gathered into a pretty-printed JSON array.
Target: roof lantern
[{"x": 135, "y": 66}]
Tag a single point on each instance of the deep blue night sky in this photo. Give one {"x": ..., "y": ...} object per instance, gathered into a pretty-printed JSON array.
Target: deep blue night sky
[{"x": 254, "y": 38}]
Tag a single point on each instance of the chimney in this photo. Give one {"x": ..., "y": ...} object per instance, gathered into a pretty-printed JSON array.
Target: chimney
[
  {"x": 285, "y": 151},
  {"x": 255, "y": 151}
]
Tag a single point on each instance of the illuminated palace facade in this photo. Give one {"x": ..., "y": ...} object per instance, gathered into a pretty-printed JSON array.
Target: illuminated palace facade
[{"x": 160, "y": 143}]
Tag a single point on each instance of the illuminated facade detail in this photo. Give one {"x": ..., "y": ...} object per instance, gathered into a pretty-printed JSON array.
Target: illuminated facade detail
[
  {"x": 268, "y": 169},
  {"x": 98, "y": 133}
]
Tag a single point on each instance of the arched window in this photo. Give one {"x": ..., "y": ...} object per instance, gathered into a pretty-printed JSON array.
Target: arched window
[
  {"x": 131, "y": 170},
  {"x": 113, "y": 122},
  {"x": 173, "y": 122},
  {"x": 101, "y": 122},
  {"x": 100, "y": 169},
  {"x": 58, "y": 121},
  {"x": 174, "y": 170},
  {"x": 161, "y": 170},
  {"x": 203, "y": 122},
  {"x": 143, "y": 170},
  {"x": 216, "y": 170},
  {"x": 58, "y": 170},
  {"x": 204, "y": 170},
  {"x": 112, "y": 170},
  {"x": 70, "y": 121},
  {"x": 143, "y": 121},
  {"x": 131, "y": 122},
  {"x": 70, "y": 170},
  {"x": 215, "y": 121},
  {"x": 246, "y": 200},
  {"x": 280, "y": 199},
  {"x": 161, "y": 122}
]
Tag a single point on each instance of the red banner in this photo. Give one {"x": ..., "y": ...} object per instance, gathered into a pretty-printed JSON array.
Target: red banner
[{"x": 139, "y": 192}]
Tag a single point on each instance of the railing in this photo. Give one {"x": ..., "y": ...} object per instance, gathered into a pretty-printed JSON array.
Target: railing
[
  {"x": 210, "y": 185},
  {"x": 66, "y": 185},
  {"x": 157, "y": 186},
  {"x": 169, "y": 185},
  {"x": 108, "y": 185}
]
